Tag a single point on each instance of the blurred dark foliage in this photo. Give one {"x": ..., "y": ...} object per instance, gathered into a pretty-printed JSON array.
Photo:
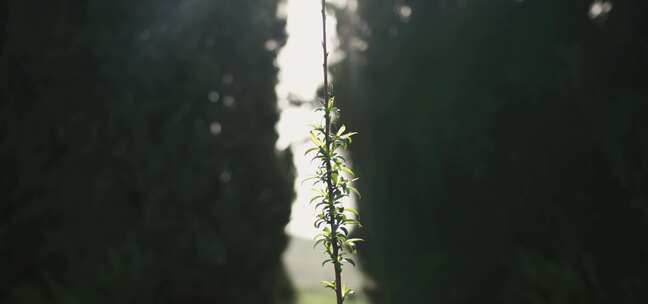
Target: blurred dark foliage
[
  {"x": 137, "y": 153},
  {"x": 503, "y": 149}
]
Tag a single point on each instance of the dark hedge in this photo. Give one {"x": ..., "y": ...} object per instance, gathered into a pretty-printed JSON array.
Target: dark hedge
[
  {"x": 503, "y": 149},
  {"x": 137, "y": 153}
]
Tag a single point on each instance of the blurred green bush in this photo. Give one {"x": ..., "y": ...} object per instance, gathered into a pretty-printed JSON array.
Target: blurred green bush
[
  {"x": 137, "y": 153},
  {"x": 503, "y": 149}
]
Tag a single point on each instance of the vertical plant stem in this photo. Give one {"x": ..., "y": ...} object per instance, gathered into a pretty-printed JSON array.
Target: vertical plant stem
[{"x": 329, "y": 183}]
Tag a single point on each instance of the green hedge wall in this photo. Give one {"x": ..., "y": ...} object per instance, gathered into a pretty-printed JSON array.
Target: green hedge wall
[{"x": 137, "y": 153}]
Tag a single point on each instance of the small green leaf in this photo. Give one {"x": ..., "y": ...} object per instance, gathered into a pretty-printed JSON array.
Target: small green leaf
[
  {"x": 329, "y": 284},
  {"x": 354, "y": 190},
  {"x": 355, "y": 240},
  {"x": 331, "y": 102},
  {"x": 341, "y": 130},
  {"x": 318, "y": 191},
  {"x": 346, "y": 292},
  {"x": 310, "y": 178},
  {"x": 314, "y": 198},
  {"x": 352, "y": 210},
  {"x": 351, "y": 261},
  {"x": 347, "y": 170},
  {"x": 339, "y": 158},
  {"x": 320, "y": 241},
  {"x": 311, "y": 150},
  {"x": 321, "y": 203},
  {"x": 352, "y": 222},
  {"x": 316, "y": 141},
  {"x": 319, "y": 223},
  {"x": 348, "y": 135}
]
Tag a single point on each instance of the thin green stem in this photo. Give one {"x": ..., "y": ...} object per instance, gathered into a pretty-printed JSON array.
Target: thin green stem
[{"x": 329, "y": 183}]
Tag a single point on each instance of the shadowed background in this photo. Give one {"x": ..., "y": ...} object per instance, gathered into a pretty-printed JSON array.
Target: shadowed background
[
  {"x": 502, "y": 151},
  {"x": 137, "y": 153}
]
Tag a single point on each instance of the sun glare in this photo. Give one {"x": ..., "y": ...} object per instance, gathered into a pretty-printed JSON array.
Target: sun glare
[{"x": 300, "y": 63}]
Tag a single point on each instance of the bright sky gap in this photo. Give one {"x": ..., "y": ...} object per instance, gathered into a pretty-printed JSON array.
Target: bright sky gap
[{"x": 300, "y": 63}]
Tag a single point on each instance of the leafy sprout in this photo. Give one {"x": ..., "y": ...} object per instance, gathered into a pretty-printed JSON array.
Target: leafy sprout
[{"x": 332, "y": 183}]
